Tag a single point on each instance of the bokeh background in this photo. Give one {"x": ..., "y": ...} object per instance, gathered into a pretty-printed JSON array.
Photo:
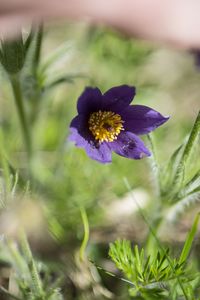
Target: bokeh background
[{"x": 65, "y": 178}]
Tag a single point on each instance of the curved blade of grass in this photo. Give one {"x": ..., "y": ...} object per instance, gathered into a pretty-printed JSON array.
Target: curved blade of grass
[{"x": 86, "y": 233}]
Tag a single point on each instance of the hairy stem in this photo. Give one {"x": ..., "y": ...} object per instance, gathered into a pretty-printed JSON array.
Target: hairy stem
[
  {"x": 36, "y": 282},
  {"x": 154, "y": 165}
]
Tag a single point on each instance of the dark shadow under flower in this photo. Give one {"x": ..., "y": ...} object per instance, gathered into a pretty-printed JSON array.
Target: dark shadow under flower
[
  {"x": 108, "y": 122},
  {"x": 196, "y": 54}
]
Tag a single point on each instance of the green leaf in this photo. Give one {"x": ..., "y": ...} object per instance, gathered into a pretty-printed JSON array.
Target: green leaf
[
  {"x": 189, "y": 240},
  {"x": 138, "y": 260},
  {"x": 174, "y": 174},
  {"x": 178, "y": 180},
  {"x": 1, "y": 57},
  {"x": 68, "y": 78},
  {"x": 192, "y": 140},
  {"x": 188, "y": 150},
  {"x": 182, "y": 206},
  {"x": 191, "y": 186},
  {"x": 29, "y": 40},
  {"x": 56, "y": 56},
  {"x": 170, "y": 169},
  {"x": 121, "y": 253}
]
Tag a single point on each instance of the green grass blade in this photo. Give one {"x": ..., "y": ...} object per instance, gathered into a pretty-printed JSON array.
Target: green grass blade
[
  {"x": 56, "y": 55},
  {"x": 189, "y": 240},
  {"x": 192, "y": 139}
]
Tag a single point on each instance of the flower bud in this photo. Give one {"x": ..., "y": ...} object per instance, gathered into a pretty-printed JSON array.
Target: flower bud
[{"x": 12, "y": 55}]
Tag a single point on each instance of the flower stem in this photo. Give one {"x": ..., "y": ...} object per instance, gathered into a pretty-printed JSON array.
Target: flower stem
[
  {"x": 16, "y": 86},
  {"x": 154, "y": 165}
]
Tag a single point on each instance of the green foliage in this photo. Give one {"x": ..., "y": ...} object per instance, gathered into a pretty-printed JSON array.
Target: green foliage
[
  {"x": 107, "y": 44},
  {"x": 26, "y": 274},
  {"x": 63, "y": 179},
  {"x": 189, "y": 240},
  {"x": 157, "y": 275},
  {"x": 148, "y": 274},
  {"x": 176, "y": 188}
]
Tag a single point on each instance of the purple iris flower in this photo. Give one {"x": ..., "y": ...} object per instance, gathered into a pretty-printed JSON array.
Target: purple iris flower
[{"x": 108, "y": 122}]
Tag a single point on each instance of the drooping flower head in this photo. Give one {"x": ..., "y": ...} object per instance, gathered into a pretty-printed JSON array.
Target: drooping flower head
[{"x": 107, "y": 122}]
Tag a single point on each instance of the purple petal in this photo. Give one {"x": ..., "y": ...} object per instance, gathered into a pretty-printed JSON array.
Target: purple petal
[
  {"x": 79, "y": 132},
  {"x": 141, "y": 119},
  {"x": 118, "y": 98},
  {"x": 130, "y": 146},
  {"x": 89, "y": 101},
  {"x": 82, "y": 137},
  {"x": 100, "y": 152}
]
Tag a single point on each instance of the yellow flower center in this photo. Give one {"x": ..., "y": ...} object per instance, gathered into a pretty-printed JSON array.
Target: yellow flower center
[{"x": 105, "y": 125}]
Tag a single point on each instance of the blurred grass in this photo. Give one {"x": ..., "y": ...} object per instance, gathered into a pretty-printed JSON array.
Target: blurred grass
[{"x": 65, "y": 177}]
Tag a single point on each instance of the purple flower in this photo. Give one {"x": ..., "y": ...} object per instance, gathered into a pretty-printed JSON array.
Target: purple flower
[{"x": 108, "y": 122}]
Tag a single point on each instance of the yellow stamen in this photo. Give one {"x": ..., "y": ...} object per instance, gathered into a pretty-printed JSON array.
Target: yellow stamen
[{"x": 105, "y": 125}]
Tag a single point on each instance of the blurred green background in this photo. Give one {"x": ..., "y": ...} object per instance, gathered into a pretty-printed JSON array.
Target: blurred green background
[{"x": 65, "y": 178}]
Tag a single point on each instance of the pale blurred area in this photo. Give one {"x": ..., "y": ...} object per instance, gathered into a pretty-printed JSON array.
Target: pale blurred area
[{"x": 173, "y": 22}]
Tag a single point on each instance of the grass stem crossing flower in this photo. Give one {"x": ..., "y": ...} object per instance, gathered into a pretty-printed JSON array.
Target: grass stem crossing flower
[{"x": 107, "y": 122}]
